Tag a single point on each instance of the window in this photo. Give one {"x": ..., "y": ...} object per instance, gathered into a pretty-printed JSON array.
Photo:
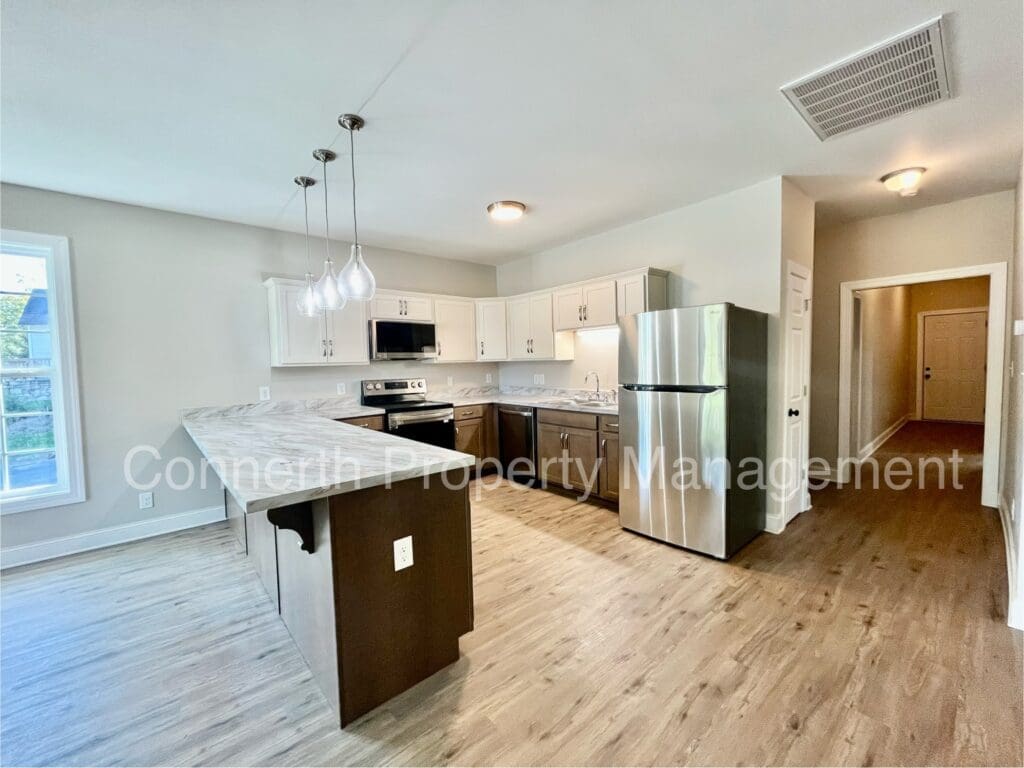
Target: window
[{"x": 40, "y": 434}]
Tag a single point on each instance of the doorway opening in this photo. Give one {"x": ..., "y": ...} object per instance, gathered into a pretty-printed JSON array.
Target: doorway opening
[{"x": 925, "y": 347}]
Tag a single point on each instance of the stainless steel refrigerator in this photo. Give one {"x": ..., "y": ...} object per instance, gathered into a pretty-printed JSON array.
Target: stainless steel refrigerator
[{"x": 692, "y": 420}]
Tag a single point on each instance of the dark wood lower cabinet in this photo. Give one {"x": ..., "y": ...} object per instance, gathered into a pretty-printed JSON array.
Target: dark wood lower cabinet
[
  {"x": 469, "y": 437},
  {"x": 573, "y": 453},
  {"x": 367, "y": 631},
  {"x": 609, "y": 480}
]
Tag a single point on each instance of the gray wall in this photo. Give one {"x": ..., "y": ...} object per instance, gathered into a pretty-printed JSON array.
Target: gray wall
[{"x": 171, "y": 313}]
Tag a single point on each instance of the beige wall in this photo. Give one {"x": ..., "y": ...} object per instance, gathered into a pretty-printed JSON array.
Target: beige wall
[
  {"x": 1013, "y": 404},
  {"x": 977, "y": 230},
  {"x": 886, "y": 362},
  {"x": 170, "y": 313}
]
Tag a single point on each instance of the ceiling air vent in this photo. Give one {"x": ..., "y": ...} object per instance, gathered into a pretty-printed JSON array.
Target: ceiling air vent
[{"x": 887, "y": 80}]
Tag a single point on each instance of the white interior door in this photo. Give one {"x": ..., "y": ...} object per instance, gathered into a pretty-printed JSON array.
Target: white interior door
[
  {"x": 954, "y": 367},
  {"x": 796, "y": 390}
]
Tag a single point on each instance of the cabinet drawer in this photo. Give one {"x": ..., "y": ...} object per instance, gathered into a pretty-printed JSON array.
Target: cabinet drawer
[
  {"x": 469, "y": 412},
  {"x": 609, "y": 423},
  {"x": 567, "y": 418},
  {"x": 368, "y": 422}
]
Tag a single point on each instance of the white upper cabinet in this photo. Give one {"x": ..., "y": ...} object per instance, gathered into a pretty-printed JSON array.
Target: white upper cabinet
[
  {"x": 391, "y": 305},
  {"x": 348, "y": 335},
  {"x": 519, "y": 328},
  {"x": 455, "y": 321},
  {"x": 542, "y": 329},
  {"x": 491, "y": 330},
  {"x": 585, "y": 306},
  {"x": 599, "y": 304},
  {"x": 641, "y": 293},
  {"x": 531, "y": 334},
  {"x": 330, "y": 338},
  {"x": 568, "y": 308}
]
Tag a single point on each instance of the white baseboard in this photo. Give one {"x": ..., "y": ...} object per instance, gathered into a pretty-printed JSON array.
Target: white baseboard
[
  {"x": 1015, "y": 608},
  {"x": 869, "y": 449},
  {"x": 107, "y": 537},
  {"x": 774, "y": 523},
  {"x": 828, "y": 475}
]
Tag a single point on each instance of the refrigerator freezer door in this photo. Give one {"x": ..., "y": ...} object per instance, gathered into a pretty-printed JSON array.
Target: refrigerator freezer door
[
  {"x": 675, "y": 346},
  {"x": 673, "y": 473}
]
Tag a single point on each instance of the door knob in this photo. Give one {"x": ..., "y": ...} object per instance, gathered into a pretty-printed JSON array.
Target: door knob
[{"x": 794, "y": 412}]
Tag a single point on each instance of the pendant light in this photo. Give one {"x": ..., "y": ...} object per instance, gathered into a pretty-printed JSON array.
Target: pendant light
[
  {"x": 307, "y": 299},
  {"x": 326, "y": 289},
  {"x": 356, "y": 280}
]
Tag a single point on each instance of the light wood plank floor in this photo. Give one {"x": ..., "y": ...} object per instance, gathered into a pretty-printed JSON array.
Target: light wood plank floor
[{"x": 872, "y": 631}]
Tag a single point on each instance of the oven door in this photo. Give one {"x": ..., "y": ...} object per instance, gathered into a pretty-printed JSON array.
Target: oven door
[{"x": 435, "y": 426}]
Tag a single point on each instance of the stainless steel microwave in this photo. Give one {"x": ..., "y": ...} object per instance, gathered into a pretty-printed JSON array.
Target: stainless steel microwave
[{"x": 402, "y": 340}]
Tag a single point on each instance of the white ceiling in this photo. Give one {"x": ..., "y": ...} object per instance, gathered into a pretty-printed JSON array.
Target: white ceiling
[{"x": 592, "y": 113}]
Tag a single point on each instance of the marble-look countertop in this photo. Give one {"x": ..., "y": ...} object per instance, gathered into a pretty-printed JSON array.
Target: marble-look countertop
[
  {"x": 271, "y": 460},
  {"x": 537, "y": 401}
]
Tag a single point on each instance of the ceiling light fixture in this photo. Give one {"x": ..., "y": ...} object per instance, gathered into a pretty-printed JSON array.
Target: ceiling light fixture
[
  {"x": 506, "y": 210},
  {"x": 355, "y": 280},
  {"x": 307, "y": 299},
  {"x": 326, "y": 289},
  {"x": 904, "y": 181}
]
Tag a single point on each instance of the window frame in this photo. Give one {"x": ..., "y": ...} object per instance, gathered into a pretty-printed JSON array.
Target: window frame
[{"x": 66, "y": 408}]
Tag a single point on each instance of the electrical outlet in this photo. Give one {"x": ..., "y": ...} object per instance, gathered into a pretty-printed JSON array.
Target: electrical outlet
[
  {"x": 146, "y": 500},
  {"x": 488, "y": 379},
  {"x": 264, "y": 393},
  {"x": 1018, "y": 327},
  {"x": 538, "y": 379},
  {"x": 1013, "y": 509},
  {"x": 341, "y": 388},
  {"x": 403, "y": 553},
  {"x": 451, "y": 380}
]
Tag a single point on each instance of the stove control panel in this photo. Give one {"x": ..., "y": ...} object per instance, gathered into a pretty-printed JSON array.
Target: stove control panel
[{"x": 394, "y": 387}]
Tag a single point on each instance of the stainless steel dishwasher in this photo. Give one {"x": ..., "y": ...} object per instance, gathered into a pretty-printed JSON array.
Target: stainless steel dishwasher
[{"x": 517, "y": 446}]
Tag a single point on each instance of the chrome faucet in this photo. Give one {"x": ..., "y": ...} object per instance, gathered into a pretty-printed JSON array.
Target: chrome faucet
[{"x": 597, "y": 380}]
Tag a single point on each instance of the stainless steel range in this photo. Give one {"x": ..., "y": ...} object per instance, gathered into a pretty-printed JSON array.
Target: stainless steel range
[{"x": 408, "y": 412}]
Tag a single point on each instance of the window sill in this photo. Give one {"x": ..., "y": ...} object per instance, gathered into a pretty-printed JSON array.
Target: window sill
[{"x": 12, "y": 505}]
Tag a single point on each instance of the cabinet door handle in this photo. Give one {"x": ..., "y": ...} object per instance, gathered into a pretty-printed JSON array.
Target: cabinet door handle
[
  {"x": 604, "y": 444},
  {"x": 324, "y": 343},
  {"x": 613, "y": 426},
  {"x": 365, "y": 425},
  {"x": 579, "y": 313},
  {"x": 439, "y": 349},
  {"x": 330, "y": 346},
  {"x": 456, "y": 431},
  {"x": 584, "y": 313},
  {"x": 481, "y": 349}
]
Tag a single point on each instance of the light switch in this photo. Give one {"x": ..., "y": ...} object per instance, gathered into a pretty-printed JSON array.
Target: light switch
[{"x": 403, "y": 553}]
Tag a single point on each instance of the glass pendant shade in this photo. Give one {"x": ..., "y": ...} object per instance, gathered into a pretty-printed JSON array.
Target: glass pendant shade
[
  {"x": 356, "y": 280},
  {"x": 328, "y": 297},
  {"x": 307, "y": 303}
]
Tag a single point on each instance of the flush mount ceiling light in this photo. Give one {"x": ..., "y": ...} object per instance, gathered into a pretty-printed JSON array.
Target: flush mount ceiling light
[
  {"x": 307, "y": 299},
  {"x": 506, "y": 210},
  {"x": 355, "y": 279},
  {"x": 328, "y": 297},
  {"x": 903, "y": 181}
]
